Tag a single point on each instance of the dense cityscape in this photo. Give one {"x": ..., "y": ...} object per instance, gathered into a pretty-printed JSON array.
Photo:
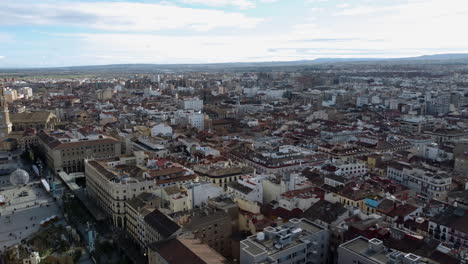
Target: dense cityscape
[{"x": 326, "y": 162}]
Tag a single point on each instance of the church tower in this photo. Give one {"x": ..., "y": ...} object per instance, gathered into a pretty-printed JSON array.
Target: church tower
[{"x": 5, "y": 124}]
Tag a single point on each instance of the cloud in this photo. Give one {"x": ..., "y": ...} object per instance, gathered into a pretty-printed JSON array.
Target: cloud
[
  {"x": 120, "y": 16},
  {"x": 316, "y": 9},
  {"x": 344, "y": 5},
  {"x": 5, "y": 38},
  {"x": 414, "y": 24},
  {"x": 243, "y": 4},
  {"x": 327, "y": 39},
  {"x": 410, "y": 28},
  {"x": 314, "y": 1},
  {"x": 148, "y": 48},
  {"x": 365, "y": 10},
  {"x": 2, "y": 57}
]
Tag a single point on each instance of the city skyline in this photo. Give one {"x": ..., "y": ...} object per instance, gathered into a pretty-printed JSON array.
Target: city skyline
[{"x": 74, "y": 33}]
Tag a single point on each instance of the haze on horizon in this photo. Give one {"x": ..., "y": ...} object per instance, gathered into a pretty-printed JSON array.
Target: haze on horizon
[{"x": 53, "y": 33}]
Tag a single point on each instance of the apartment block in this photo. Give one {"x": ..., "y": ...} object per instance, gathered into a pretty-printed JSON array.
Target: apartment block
[{"x": 298, "y": 241}]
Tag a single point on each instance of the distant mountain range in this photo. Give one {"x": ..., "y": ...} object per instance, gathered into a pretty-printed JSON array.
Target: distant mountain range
[
  {"x": 425, "y": 58},
  {"x": 453, "y": 58}
]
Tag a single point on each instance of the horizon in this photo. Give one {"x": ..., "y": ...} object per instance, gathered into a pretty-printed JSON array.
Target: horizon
[
  {"x": 338, "y": 60},
  {"x": 69, "y": 33}
]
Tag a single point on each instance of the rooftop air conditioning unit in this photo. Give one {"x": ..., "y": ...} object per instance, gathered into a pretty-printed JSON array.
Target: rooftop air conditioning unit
[
  {"x": 375, "y": 245},
  {"x": 260, "y": 236},
  {"x": 411, "y": 258}
]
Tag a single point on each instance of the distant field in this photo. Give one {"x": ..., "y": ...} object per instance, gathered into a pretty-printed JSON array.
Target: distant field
[{"x": 457, "y": 60}]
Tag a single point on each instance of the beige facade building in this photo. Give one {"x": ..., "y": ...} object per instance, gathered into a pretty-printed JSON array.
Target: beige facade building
[
  {"x": 104, "y": 94},
  {"x": 67, "y": 152},
  {"x": 176, "y": 198},
  {"x": 25, "y": 139},
  {"x": 38, "y": 120},
  {"x": 222, "y": 173},
  {"x": 112, "y": 182}
]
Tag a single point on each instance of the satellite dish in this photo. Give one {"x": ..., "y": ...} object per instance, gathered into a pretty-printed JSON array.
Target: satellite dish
[{"x": 19, "y": 177}]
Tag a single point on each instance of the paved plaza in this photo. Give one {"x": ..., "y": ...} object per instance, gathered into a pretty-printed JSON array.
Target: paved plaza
[{"x": 21, "y": 216}]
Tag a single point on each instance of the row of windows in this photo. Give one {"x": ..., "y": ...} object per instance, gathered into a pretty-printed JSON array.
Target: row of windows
[
  {"x": 291, "y": 256},
  {"x": 72, "y": 152}
]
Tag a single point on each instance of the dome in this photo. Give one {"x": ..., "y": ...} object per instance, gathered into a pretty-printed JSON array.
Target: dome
[{"x": 19, "y": 177}]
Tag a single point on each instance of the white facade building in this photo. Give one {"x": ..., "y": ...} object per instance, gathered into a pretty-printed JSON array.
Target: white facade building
[
  {"x": 248, "y": 188},
  {"x": 201, "y": 192},
  {"x": 432, "y": 184},
  {"x": 26, "y": 92},
  {"x": 352, "y": 169},
  {"x": 362, "y": 100},
  {"x": 196, "y": 120},
  {"x": 161, "y": 130},
  {"x": 195, "y": 104},
  {"x": 365, "y": 251}
]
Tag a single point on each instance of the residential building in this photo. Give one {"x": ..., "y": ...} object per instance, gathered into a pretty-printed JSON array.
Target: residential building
[
  {"x": 297, "y": 241},
  {"x": 196, "y": 120},
  {"x": 362, "y": 101},
  {"x": 450, "y": 226},
  {"x": 183, "y": 250},
  {"x": 222, "y": 173},
  {"x": 135, "y": 210},
  {"x": 112, "y": 182},
  {"x": 364, "y": 251},
  {"x": 158, "y": 227},
  {"x": 430, "y": 183},
  {"x": 195, "y": 104},
  {"x": 213, "y": 224},
  {"x": 248, "y": 188}
]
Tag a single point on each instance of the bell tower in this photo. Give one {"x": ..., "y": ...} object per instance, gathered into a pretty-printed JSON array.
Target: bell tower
[{"x": 5, "y": 124}]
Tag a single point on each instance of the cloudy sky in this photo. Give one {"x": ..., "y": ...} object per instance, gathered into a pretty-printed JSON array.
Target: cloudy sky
[{"x": 43, "y": 33}]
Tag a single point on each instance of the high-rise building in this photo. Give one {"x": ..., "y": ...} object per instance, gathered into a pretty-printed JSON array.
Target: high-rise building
[{"x": 439, "y": 105}]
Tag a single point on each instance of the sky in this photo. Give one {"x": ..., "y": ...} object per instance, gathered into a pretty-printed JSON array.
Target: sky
[{"x": 50, "y": 33}]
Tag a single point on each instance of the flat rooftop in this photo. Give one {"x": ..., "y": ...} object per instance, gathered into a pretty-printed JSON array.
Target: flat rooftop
[
  {"x": 267, "y": 246},
  {"x": 360, "y": 246},
  {"x": 119, "y": 173}
]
